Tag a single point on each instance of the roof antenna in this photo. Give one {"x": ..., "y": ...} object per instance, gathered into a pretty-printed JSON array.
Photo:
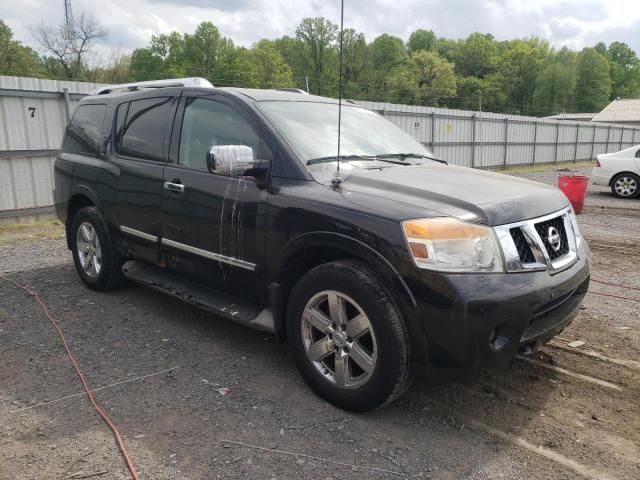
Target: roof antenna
[{"x": 337, "y": 180}]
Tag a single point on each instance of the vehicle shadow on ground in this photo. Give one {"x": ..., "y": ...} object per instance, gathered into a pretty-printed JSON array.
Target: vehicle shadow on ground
[{"x": 237, "y": 384}]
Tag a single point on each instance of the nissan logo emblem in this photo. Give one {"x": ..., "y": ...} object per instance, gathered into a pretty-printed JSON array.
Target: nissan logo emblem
[{"x": 553, "y": 239}]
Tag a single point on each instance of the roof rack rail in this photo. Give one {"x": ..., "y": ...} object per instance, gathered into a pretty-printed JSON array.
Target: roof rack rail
[
  {"x": 294, "y": 90},
  {"x": 172, "y": 82}
]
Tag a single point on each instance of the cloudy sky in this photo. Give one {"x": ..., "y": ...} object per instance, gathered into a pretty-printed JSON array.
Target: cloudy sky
[{"x": 576, "y": 23}]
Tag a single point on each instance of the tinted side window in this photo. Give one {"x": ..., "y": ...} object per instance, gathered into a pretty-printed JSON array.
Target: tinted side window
[
  {"x": 637, "y": 153},
  {"x": 85, "y": 129},
  {"x": 207, "y": 123},
  {"x": 145, "y": 128}
]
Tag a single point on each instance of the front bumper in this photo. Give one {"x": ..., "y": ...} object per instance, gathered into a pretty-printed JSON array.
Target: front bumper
[{"x": 464, "y": 321}]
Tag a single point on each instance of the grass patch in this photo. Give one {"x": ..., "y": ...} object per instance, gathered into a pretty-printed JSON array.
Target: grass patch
[
  {"x": 544, "y": 167},
  {"x": 16, "y": 232}
]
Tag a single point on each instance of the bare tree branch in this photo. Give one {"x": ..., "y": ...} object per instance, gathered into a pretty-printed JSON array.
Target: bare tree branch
[{"x": 70, "y": 43}]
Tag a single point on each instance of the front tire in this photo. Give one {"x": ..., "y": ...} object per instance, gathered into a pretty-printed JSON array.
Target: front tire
[
  {"x": 96, "y": 260},
  {"x": 625, "y": 185},
  {"x": 347, "y": 336}
]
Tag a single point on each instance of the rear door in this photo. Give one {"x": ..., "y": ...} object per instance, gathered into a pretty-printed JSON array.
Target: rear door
[
  {"x": 212, "y": 222},
  {"x": 141, "y": 138}
]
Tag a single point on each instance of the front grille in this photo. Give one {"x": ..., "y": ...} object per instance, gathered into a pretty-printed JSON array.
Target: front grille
[
  {"x": 528, "y": 245},
  {"x": 524, "y": 250},
  {"x": 545, "y": 229}
]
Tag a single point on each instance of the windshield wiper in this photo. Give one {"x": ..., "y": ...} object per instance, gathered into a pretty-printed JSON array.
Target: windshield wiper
[
  {"x": 404, "y": 156},
  {"x": 357, "y": 158},
  {"x": 334, "y": 158}
]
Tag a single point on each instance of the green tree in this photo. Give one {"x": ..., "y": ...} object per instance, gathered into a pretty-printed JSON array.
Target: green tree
[
  {"x": 16, "y": 59},
  {"x": 387, "y": 53},
  {"x": 170, "y": 48},
  {"x": 355, "y": 58},
  {"x": 434, "y": 76},
  {"x": 210, "y": 55},
  {"x": 624, "y": 71},
  {"x": 114, "y": 68},
  {"x": 556, "y": 83},
  {"x": 270, "y": 68},
  {"x": 519, "y": 66},
  {"x": 448, "y": 48},
  {"x": 593, "y": 82},
  {"x": 292, "y": 50},
  {"x": 318, "y": 36},
  {"x": 422, "y": 40},
  {"x": 401, "y": 87},
  {"x": 494, "y": 96},
  {"x": 476, "y": 56},
  {"x": 469, "y": 91},
  {"x": 146, "y": 65},
  {"x": 601, "y": 48}
]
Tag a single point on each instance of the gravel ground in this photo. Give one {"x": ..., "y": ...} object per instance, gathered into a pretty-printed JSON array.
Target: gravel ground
[{"x": 219, "y": 382}]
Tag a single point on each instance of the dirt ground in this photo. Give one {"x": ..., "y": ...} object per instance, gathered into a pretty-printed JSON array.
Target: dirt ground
[{"x": 181, "y": 385}]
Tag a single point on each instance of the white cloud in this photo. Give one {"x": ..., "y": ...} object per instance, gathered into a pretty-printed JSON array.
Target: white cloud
[{"x": 576, "y": 23}]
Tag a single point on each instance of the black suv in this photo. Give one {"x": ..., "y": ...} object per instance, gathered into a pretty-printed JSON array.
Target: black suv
[{"x": 230, "y": 199}]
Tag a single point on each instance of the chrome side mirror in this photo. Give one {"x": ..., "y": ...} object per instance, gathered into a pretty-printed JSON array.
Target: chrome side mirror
[{"x": 230, "y": 160}]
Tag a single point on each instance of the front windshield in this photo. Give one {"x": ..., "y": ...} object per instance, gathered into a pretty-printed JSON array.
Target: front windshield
[{"x": 312, "y": 131}]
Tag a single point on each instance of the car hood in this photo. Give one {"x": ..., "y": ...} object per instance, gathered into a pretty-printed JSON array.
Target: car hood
[{"x": 465, "y": 193}]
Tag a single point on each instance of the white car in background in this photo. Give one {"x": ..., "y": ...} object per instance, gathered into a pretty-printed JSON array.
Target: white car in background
[{"x": 620, "y": 171}]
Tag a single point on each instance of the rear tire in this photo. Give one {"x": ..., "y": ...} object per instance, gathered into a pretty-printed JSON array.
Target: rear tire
[
  {"x": 347, "y": 336},
  {"x": 626, "y": 185},
  {"x": 95, "y": 257}
]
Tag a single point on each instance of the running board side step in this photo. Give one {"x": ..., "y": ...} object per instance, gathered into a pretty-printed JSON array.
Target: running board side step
[{"x": 233, "y": 308}]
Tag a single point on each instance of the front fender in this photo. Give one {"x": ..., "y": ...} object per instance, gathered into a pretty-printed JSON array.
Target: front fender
[
  {"x": 357, "y": 249},
  {"x": 350, "y": 245}
]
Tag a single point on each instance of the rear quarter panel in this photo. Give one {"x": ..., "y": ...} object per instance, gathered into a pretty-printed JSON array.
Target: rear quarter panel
[{"x": 612, "y": 164}]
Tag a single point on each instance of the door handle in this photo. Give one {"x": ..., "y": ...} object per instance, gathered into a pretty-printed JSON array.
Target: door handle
[{"x": 174, "y": 187}]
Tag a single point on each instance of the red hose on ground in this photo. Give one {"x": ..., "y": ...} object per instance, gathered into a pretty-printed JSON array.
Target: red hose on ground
[
  {"x": 103, "y": 415},
  {"x": 615, "y": 296},
  {"x": 614, "y": 284}
]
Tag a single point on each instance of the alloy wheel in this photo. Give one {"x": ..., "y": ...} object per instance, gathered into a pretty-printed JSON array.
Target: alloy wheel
[
  {"x": 339, "y": 339},
  {"x": 89, "y": 251},
  {"x": 626, "y": 186}
]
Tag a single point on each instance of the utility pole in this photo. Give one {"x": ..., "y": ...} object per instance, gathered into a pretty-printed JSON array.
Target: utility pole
[{"x": 68, "y": 14}]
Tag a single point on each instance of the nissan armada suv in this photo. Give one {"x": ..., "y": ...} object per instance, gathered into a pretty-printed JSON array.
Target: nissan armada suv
[{"x": 230, "y": 199}]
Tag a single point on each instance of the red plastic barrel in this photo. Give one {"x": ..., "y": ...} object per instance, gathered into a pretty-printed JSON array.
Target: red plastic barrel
[{"x": 575, "y": 188}]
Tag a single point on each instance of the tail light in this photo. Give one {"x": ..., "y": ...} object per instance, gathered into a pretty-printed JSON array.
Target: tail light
[{"x": 598, "y": 163}]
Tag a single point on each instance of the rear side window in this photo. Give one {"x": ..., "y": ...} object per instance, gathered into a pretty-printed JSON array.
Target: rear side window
[
  {"x": 145, "y": 128},
  {"x": 85, "y": 129},
  {"x": 120, "y": 117}
]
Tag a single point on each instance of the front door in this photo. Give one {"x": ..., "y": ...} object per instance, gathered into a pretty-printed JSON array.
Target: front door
[{"x": 211, "y": 221}]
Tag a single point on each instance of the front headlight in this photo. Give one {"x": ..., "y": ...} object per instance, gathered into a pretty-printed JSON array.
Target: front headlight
[
  {"x": 451, "y": 245},
  {"x": 574, "y": 225},
  {"x": 580, "y": 245}
]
